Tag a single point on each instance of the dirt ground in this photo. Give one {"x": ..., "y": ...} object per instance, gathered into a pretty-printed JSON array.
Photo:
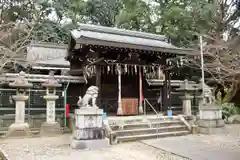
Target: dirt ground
[{"x": 58, "y": 148}]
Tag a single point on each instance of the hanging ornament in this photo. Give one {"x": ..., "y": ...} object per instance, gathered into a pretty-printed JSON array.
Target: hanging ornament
[
  {"x": 181, "y": 61},
  {"x": 135, "y": 69},
  {"x": 94, "y": 69},
  {"x": 154, "y": 70},
  {"x": 144, "y": 69},
  {"x": 125, "y": 68},
  {"x": 108, "y": 69}
]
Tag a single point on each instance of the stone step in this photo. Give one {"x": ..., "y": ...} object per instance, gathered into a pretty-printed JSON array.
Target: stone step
[
  {"x": 151, "y": 136},
  {"x": 166, "y": 123},
  {"x": 163, "y": 118},
  {"x": 145, "y": 125},
  {"x": 139, "y": 119},
  {"x": 150, "y": 130}
]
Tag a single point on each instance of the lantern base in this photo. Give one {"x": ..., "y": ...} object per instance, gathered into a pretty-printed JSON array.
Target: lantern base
[
  {"x": 18, "y": 130},
  {"x": 50, "y": 129}
]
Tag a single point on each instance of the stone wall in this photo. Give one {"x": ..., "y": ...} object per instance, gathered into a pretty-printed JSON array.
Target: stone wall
[{"x": 34, "y": 121}]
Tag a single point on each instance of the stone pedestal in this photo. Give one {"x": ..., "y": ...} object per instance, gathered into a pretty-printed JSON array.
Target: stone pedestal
[
  {"x": 187, "y": 105},
  {"x": 211, "y": 121},
  {"x": 19, "y": 128},
  {"x": 140, "y": 109},
  {"x": 89, "y": 129},
  {"x": 187, "y": 90},
  {"x": 50, "y": 127}
]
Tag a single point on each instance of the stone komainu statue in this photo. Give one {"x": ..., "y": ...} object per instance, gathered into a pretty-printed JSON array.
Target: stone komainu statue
[{"x": 91, "y": 94}]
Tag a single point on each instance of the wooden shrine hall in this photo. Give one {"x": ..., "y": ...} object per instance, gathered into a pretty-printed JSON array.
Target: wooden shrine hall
[{"x": 118, "y": 62}]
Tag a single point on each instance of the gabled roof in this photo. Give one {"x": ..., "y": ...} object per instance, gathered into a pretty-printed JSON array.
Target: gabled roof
[{"x": 114, "y": 37}]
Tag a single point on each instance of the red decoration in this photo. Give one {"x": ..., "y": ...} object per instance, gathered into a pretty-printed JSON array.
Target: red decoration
[{"x": 67, "y": 110}]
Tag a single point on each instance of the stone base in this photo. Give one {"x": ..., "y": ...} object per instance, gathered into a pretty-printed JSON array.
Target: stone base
[
  {"x": 50, "y": 129},
  {"x": 18, "y": 130},
  {"x": 211, "y": 130},
  {"x": 211, "y": 123},
  {"x": 90, "y": 144},
  {"x": 194, "y": 129}
]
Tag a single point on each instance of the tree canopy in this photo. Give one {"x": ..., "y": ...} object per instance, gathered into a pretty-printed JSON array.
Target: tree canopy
[{"x": 182, "y": 21}]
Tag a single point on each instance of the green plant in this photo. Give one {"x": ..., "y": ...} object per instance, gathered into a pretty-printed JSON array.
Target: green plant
[
  {"x": 2, "y": 156},
  {"x": 229, "y": 109}
]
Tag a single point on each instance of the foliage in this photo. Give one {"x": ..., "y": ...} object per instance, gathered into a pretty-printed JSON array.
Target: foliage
[
  {"x": 22, "y": 22},
  {"x": 102, "y": 12},
  {"x": 135, "y": 15},
  {"x": 181, "y": 20},
  {"x": 229, "y": 109},
  {"x": 49, "y": 31}
]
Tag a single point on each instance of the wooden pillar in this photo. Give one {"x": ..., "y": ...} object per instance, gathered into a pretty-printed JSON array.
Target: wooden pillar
[
  {"x": 119, "y": 110},
  {"x": 165, "y": 93},
  {"x": 169, "y": 88},
  {"x": 140, "y": 109},
  {"x": 98, "y": 84}
]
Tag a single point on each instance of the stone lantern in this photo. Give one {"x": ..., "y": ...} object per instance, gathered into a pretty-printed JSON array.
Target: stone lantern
[
  {"x": 187, "y": 90},
  {"x": 210, "y": 113},
  {"x": 20, "y": 127},
  {"x": 50, "y": 127}
]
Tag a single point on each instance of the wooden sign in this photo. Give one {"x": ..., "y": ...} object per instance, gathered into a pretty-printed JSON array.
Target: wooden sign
[{"x": 130, "y": 106}]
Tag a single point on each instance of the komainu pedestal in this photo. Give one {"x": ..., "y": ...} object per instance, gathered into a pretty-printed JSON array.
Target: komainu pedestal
[
  {"x": 211, "y": 121},
  {"x": 89, "y": 133}
]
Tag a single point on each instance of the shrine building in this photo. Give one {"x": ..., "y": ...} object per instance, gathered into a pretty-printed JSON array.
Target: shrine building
[{"x": 128, "y": 67}]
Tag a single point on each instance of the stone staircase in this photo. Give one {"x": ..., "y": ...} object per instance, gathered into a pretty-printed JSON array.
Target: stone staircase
[{"x": 156, "y": 127}]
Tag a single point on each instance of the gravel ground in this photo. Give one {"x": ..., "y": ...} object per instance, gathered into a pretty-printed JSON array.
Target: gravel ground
[
  {"x": 57, "y": 148},
  {"x": 229, "y": 139}
]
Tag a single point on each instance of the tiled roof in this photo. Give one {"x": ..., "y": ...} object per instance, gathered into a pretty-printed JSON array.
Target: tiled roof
[{"x": 99, "y": 35}]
